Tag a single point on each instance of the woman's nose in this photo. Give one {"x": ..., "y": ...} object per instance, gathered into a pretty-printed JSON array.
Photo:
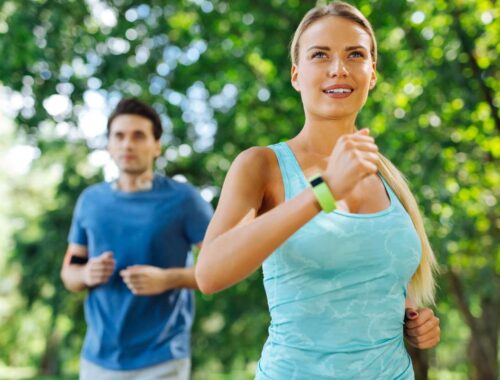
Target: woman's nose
[{"x": 337, "y": 68}]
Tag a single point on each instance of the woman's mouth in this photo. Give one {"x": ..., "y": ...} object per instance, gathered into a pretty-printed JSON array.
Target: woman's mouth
[{"x": 338, "y": 91}]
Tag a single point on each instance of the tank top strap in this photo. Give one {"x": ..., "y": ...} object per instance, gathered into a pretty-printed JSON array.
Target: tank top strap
[
  {"x": 291, "y": 173},
  {"x": 392, "y": 195},
  {"x": 293, "y": 178}
]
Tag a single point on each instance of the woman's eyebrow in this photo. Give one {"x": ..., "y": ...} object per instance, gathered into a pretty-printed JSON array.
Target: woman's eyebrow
[
  {"x": 319, "y": 48},
  {"x": 349, "y": 48}
]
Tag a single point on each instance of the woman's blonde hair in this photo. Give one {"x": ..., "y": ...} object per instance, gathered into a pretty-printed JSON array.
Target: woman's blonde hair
[{"x": 422, "y": 285}]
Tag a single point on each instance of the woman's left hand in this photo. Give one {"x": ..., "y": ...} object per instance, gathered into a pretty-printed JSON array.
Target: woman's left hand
[{"x": 421, "y": 328}]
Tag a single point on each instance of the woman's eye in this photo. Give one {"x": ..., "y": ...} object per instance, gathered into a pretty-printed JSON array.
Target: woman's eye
[
  {"x": 318, "y": 54},
  {"x": 356, "y": 54}
]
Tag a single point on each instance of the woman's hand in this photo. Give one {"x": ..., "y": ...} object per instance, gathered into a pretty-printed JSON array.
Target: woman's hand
[
  {"x": 353, "y": 158},
  {"x": 422, "y": 328}
]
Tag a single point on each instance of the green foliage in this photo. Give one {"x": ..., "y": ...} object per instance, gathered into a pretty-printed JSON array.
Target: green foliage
[{"x": 218, "y": 72}]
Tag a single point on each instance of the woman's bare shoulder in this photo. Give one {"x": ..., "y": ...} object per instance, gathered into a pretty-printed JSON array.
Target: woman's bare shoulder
[
  {"x": 257, "y": 155},
  {"x": 258, "y": 161},
  {"x": 264, "y": 172},
  {"x": 258, "y": 168}
]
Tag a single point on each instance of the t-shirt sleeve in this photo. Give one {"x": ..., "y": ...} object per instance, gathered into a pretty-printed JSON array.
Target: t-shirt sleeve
[
  {"x": 198, "y": 213},
  {"x": 77, "y": 234}
]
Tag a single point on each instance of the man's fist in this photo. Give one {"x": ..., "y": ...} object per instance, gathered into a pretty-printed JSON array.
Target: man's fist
[
  {"x": 147, "y": 280},
  {"x": 99, "y": 269}
]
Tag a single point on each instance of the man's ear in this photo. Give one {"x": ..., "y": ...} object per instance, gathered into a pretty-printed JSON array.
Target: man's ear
[
  {"x": 294, "y": 78},
  {"x": 157, "y": 148}
]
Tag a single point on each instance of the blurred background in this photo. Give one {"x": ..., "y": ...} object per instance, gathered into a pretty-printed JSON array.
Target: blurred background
[{"x": 218, "y": 73}]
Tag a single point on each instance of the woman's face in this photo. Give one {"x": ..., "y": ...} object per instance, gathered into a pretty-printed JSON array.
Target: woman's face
[{"x": 335, "y": 70}]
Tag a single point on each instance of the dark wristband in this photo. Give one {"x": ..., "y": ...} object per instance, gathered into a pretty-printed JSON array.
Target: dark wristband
[{"x": 78, "y": 260}]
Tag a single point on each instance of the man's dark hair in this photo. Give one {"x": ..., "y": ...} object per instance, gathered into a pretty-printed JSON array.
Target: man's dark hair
[{"x": 132, "y": 106}]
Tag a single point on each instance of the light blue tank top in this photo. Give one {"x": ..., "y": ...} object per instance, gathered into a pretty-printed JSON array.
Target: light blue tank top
[{"x": 336, "y": 292}]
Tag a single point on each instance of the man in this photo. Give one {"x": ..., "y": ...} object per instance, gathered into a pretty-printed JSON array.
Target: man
[{"x": 128, "y": 246}]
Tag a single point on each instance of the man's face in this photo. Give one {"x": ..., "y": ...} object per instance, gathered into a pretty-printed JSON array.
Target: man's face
[{"x": 132, "y": 144}]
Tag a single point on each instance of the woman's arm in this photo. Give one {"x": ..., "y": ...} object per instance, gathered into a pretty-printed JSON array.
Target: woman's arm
[
  {"x": 238, "y": 241},
  {"x": 421, "y": 327}
]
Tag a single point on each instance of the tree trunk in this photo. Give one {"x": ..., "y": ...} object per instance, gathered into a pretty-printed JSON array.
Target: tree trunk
[
  {"x": 49, "y": 365},
  {"x": 420, "y": 359},
  {"x": 483, "y": 349},
  {"x": 483, "y": 345}
]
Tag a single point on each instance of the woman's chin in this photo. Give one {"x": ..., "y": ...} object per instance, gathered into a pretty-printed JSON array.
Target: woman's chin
[{"x": 334, "y": 115}]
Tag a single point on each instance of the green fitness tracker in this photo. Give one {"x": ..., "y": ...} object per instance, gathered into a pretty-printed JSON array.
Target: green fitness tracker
[{"x": 322, "y": 192}]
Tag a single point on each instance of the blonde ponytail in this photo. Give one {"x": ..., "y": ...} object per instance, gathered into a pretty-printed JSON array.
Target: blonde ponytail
[{"x": 422, "y": 285}]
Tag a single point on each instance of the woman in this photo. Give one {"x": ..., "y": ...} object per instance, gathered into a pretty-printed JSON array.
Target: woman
[{"x": 337, "y": 282}]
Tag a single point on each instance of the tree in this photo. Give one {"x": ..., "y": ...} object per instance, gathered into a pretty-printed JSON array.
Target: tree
[{"x": 218, "y": 72}]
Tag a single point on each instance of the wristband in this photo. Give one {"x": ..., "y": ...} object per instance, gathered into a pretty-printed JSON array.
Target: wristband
[
  {"x": 78, "y": 260},
  {"x": 323, "y": 194}
]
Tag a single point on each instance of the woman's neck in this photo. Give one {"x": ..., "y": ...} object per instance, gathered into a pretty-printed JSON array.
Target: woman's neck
[{"x": 320, "y": 137}]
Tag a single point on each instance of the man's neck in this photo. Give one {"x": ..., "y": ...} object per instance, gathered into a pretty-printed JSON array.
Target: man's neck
[{"x": 134, "y": 182}]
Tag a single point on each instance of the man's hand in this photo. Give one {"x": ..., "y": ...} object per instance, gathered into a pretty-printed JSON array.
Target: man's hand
[
  {"x": 99, "y": 269},
  {"x": 146, "y": 280},
  {"x": 422, "y": 328}
]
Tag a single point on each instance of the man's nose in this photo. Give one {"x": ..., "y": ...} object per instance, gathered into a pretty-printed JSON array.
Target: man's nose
[{"x": 127, "y": 142}]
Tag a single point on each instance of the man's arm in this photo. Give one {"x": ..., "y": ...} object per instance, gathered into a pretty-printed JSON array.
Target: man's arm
[
  {"x": 72, "y": 274},
  {"x": 78, "y": 277},
  {"x": 147, "y": 280}
]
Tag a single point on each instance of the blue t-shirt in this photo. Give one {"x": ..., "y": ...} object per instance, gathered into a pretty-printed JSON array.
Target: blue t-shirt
[{"x": 155, "y": 227}]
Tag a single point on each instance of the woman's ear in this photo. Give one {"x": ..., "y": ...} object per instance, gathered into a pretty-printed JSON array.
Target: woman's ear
[
  {"x": 373, "y": 80},
  {"x": 294, "y": 78}
]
